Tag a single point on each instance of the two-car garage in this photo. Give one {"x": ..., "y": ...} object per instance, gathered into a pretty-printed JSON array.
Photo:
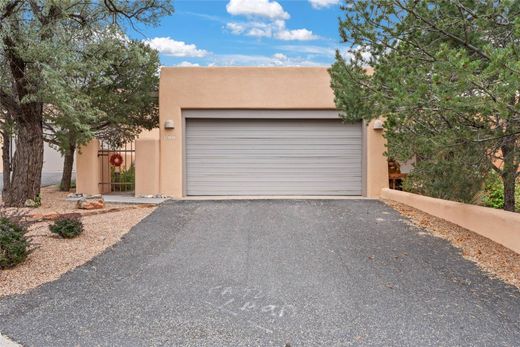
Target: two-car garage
[
  {"x": 272, "y": 152},
  {"x": 258, "y": 131}
]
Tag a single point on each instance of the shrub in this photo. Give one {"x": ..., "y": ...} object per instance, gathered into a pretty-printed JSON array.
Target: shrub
[
  {"x": 67, "y": 226},
  {"x": 493, "y": 193},
  {"x": 450, "y": 177},
  {"x": 14, "y": 245},
  {"x": 125, "y": 179}
]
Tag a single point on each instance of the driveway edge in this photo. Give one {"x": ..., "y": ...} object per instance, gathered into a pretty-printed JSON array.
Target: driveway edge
[{"x": 7, "y": 342}]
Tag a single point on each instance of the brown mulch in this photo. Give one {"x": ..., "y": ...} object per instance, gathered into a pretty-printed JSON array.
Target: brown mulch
[
  {"x": 495, "y": 259},
  {"x": 53, "y": 256}
]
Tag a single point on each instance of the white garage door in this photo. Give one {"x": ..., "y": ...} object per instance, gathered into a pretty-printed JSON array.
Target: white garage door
[{"x": 273, "y": 157}]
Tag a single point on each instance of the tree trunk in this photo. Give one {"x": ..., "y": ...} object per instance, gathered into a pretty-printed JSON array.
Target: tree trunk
[
  {"x": 27, "y": 160},
  {"x": 6, "y": 161},
  {"x": 509, "y": 192},
  {"x": 68, "y": 164},
  {"x": 509, "y": 174}
]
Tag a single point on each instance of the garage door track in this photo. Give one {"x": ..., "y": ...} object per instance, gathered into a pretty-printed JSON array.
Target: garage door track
[{"x": 270, "y": 272}]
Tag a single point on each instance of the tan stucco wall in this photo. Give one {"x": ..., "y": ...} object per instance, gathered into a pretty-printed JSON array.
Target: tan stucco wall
[
  {"x": 88, "y": 168},
  {"x": 500, "y": 226},
  {"x": 376, "y": 162},
  {"x": 147, "y": 166},
  {"x": 246, "y": 88}
]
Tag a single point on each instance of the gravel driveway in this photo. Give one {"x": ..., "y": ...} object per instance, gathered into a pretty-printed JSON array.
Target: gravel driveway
[{"x": 275, "y": 272}]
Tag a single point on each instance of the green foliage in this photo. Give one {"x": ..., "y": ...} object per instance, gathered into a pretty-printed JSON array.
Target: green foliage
[
  {"x": 38, "y": 200},
  {"x": 446, "y": 79},
  {"x": 14, "y": 245},
  {"x": 451, "y": 176},
  {"x": 68, "y": 73},
  {"x": 493, "y": 194},
  {"x": 67, "y": 226},
  {"x": 124, "y": 176}
]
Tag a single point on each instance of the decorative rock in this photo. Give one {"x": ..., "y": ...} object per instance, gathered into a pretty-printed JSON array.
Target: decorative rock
[
  {"x": 31, "y": 203},
  {"x": 90, "y": 203}
]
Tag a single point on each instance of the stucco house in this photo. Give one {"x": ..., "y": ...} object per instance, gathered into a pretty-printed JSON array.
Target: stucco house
[{"x": 249, "y": 131}]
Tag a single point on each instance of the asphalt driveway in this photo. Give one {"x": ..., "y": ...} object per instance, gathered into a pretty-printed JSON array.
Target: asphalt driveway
[{"x": 258, "y": 273}]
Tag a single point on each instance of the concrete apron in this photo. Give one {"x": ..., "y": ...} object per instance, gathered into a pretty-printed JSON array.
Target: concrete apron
[{"x": 277, "y": 197}]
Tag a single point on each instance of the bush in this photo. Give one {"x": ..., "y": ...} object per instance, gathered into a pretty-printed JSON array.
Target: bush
[
  {"x": 67, "y": 226},
  {"x": 125, "y": 179},
  {"x": 14, "y": 245},
  {"x": 449, "y": 178},
  {"x": 493, "y": 193}
]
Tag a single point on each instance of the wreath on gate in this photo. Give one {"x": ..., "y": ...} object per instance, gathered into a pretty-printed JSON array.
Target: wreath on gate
[{"x": 116, "y": 159}]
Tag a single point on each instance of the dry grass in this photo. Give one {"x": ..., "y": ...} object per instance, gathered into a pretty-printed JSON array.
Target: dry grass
[
  {"x": 493, "y": 258},
  {"x": 53, "y": 256}
]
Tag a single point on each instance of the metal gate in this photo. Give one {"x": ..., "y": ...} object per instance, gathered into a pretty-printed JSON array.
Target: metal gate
[{"x": 117, "y": 168}]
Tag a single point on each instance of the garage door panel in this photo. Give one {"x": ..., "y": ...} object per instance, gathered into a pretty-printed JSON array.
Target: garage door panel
[{"x": 272, "y": 157}]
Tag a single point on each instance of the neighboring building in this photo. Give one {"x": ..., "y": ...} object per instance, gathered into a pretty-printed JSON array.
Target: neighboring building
[
  {"x": 52, "y": 160},
  {"x": 250, "y": 131}
]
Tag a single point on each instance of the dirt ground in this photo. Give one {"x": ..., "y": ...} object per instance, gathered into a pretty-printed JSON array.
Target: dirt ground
[{"x": 493, "y": 258}]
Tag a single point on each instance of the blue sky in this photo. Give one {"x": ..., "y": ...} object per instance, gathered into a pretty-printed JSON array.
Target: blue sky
[{"x": 247, "y": 32}]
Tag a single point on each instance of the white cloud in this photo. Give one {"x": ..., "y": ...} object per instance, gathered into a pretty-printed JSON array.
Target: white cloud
[
  {"x": 296, "y": 35},
  {"x": 236, "y": 28},
  {"x": 261, "y": 8},
  {"x": 319, "y": 4},
  {"x": 275, "y": 29},
  {"x": 187, "y": 64},
  {"x": 309, "y": 49},
  {"x": 265, "y": 18},
  {"x": 253, "y": 28},
  {"x": 280, "y": 56},
  {"x": 277, "y": 59},
  {"x": 168, "y": 46},
  {"x": 364, "y": 52}
]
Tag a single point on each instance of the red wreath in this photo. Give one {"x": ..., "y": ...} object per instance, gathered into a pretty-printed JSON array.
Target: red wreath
[{"x": 116, "y": 159}]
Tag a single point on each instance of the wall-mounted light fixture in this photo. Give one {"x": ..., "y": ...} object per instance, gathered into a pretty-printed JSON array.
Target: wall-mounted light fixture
[
  {"x": 169, "y": 124},
  {"x": 378, "y": 125}
]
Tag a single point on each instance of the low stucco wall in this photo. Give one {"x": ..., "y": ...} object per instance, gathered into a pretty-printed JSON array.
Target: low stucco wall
[
  {"x": 277, "y": 88},
  {"x": 88, "y": 168},
  {"x": 500, "y": 226}
]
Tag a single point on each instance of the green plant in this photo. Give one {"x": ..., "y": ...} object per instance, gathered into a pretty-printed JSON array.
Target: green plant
[
  {"x": 67, "y": 226},
  {"x": 14, "y": 245},
  {"x": 493, "y": 193},
  {"x": 38, "y": 200},
  {"x": 125, "y": 178},
  {"x": 444, "y": 75}
]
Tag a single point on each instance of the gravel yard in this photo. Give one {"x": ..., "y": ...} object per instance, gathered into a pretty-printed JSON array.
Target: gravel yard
[
  {"x": 54, "y": 201},
  {"x": 493, "y": 258},
  {"x": 53, "y": 256}
]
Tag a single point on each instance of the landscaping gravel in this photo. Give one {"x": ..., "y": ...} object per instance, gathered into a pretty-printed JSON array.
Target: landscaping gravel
[
  {"x": 53, "y": 256},
  {"x": 495, "y": 259}
]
